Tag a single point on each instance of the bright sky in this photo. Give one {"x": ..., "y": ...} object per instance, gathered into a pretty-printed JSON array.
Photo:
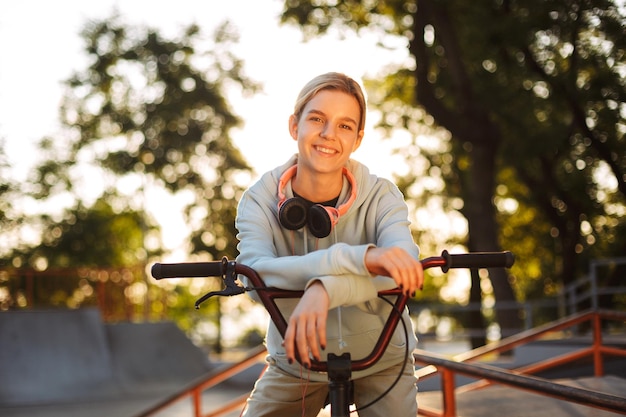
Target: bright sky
[{"x": 41, "y": 47}]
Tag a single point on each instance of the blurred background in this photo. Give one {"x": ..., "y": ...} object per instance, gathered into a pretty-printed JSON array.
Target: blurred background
[{"x": 128, "y": 131}]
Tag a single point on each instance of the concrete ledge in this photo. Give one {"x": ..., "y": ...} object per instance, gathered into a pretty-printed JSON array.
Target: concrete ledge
[{"x": 67, "y": 356}]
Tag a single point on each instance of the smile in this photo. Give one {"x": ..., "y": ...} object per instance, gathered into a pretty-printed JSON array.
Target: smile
[{"x": 325, "y": 150}]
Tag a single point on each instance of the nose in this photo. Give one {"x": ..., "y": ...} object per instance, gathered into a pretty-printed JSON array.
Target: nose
[{"x": 328, "y": 131}]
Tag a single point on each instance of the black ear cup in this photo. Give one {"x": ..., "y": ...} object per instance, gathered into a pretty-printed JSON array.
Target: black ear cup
[
  {"x": 319, "y": 222},
  {"x": 295, "y": 213},
  {"x": 292, "y": 214}
]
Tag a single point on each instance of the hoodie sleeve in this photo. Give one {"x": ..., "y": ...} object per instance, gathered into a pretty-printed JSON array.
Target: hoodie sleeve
[
  {"x": 258, "y": 250},
  {"x": 388, "y": 215},
  {"x": 340, "y": 267}
]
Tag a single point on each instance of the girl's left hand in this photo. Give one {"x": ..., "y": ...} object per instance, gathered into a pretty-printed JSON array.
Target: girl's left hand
[{"x": 398, "y": 264}]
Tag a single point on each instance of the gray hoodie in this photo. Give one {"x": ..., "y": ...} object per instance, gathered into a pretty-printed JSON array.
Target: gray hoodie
[{"x": 293, "y": 260}]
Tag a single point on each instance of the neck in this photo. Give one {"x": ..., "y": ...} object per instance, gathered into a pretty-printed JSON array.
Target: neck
[{"x": 317, "y": 187}]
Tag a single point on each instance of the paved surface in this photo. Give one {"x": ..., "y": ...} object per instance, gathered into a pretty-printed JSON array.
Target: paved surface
[
  {"x": 62, "y": 363},
  {"x": 68, "y": 363},
  {"x": 123, "y": 407},
  {"x": 505, "y": 401}
]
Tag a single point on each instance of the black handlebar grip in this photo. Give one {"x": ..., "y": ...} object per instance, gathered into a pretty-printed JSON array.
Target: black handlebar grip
[
  {"x": 188, "y": 269},
  {"x": 504, "y": 259}
]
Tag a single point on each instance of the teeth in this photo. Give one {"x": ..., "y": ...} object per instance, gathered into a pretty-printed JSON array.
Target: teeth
[{"x": 324, "y": 150}]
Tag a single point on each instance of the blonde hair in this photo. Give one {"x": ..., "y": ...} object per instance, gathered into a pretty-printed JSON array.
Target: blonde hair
[{"x": 331, "y": 81}]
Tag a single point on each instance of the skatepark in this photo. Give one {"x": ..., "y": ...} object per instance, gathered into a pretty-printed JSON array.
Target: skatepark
[{"x": 69, "y": 363}]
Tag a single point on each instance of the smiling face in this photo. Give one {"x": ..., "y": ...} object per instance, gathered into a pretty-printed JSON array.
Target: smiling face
[{"x": 327, "y": 132}]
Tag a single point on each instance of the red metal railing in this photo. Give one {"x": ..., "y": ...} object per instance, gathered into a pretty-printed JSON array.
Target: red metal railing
[
  {"x": 520, "y": 378},
  {"x": 196, "y": 388},
  {"x": 228, "y": 270},
  {"x": 105, "y": 288}
]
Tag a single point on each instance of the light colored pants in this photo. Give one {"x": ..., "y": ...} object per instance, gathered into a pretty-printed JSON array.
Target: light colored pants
[{"x": 278, "y": 394}]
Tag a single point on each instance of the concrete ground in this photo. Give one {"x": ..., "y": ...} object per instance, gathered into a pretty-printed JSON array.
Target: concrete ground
[
  {"x": 499, "y": 400},
  {"x": 67, "y": 363}
]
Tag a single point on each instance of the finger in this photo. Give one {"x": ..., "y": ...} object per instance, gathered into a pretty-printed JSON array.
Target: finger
[
  {"x": 402, "y": 271},
  {"x": 321, "y": 331},
  {"x": 420, "y": 280},
  {"x": 417, "y": 275},
  {"x": 312, "y": 339},
  {"x": 412, "y": 276},
  {"x": 288, "y": 342},
  {"x": 302, "y": 344}
]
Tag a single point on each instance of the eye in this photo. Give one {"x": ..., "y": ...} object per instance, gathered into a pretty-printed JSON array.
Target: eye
[{"x": 347, "y": 127}]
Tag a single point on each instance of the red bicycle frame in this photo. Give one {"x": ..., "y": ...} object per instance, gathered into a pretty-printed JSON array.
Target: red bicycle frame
[{"x": 339, "y": 371}]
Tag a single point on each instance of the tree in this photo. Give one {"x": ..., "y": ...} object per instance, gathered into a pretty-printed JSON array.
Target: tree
[
  {"x": 97, "y": 236},
  {"x": 147, "y": 113},
  {"x": 519, "y": 86},
  {"x": 158, "y": 109},
  {"x": 9, "y": 217},
  {"x": 153, "y": 112}
]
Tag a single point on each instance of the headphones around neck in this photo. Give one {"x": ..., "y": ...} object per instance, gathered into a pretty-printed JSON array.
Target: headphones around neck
[{"x": 296, "y": 212}]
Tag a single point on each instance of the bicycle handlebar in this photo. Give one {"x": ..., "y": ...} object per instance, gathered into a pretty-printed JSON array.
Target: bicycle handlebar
[
  {"x": 228, "y": 270},
  {"x": 478, "y": 260},
  {"x": 189, "y": 269},
  {"x": 445, "y": 261}
]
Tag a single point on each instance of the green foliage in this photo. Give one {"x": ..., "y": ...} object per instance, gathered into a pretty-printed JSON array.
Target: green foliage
[
  {"x": 90, "y": 237},
  {"x": 532, "y": 91},
  {"x": 154, "y": 111},
  {"x": 10, "y": 218},
  {"x": 146, "y": 113}
]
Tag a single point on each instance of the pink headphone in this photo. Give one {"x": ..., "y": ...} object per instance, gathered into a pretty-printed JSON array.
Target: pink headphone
[{"x": 295, "y": 213}]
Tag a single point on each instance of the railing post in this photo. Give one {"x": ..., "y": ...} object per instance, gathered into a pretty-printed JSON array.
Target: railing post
[
  {"x": 562, "y": 302},
  {"x": 30, "y": 289},
  {"x": 594, "y": 285},
  {"x": 528, "y": 319},
  {"x": 447, "y": 387},
  {"x": 102, "y": 297},
  {"x": 197, "y": 402},
  {"x": 571, "y": 295},
  {"x": 598, "y": 366}
]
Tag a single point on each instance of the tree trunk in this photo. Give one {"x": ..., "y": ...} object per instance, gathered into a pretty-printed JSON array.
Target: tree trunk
[
  {"x": 471, "y": 127},
  {"x": 475, "y": 320},
  {"x": 483, "y": 232}
]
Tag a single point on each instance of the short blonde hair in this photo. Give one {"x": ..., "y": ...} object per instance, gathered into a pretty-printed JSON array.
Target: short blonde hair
[{"x": 331, "y": 81}]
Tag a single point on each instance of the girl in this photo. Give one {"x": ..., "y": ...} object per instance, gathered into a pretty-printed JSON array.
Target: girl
[{"x": 322, "y": 223}]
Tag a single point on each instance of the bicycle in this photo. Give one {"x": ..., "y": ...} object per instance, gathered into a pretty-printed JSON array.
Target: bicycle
[{"x": 338, "y": 368}]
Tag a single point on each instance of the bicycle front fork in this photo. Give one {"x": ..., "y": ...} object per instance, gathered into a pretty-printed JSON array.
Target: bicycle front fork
[{"x": 339, "y": 387}]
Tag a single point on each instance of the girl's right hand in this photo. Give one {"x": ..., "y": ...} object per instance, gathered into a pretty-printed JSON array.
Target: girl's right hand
[{"x": 306, "y": 330}]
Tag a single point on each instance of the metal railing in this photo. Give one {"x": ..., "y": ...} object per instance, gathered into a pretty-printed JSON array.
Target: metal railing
[
  {"x": 463, "y": 364},
  {"x": 196, "y": 388},
  {"x": 587, "y": 289},
  {"x": 572, "y": 296},
  {"x": 521, "y": 378},
  {"x": 580, "y": 295}
]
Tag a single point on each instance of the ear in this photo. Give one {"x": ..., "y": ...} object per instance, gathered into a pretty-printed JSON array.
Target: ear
[
  {"x": 293, "y": 127},
  {"x": 359, "y": 138}
]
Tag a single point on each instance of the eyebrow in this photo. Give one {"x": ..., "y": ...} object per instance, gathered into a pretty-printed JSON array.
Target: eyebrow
[{"x": 321, "y": 113}]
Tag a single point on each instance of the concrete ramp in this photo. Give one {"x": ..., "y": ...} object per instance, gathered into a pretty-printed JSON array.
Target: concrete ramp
[
  {"x": 151, "y": 355},
  {"x": 66, "y": 356},
  {"x": 49, "y": 356}
]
